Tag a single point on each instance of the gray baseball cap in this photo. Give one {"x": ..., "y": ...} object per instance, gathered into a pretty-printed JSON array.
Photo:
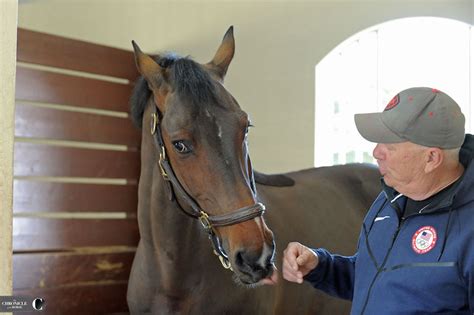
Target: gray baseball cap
[{"x": 420, "y": 115}]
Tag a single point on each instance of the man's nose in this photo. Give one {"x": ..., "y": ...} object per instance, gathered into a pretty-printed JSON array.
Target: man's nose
[{"x": 377, "y": 153}]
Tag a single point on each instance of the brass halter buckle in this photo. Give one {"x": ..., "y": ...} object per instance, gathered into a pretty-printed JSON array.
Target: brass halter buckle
[
  {"x": 154, "y": 123},
  {"x": 204, "y": 218},
  {"x": 160, "y": 163}
]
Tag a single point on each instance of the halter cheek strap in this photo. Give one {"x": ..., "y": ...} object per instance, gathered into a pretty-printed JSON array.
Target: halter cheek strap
[{"x": 209, "y": 222}]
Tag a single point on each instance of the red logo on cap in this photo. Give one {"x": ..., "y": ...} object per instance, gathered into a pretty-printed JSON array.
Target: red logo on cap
[{"x": 394, "y": 102}]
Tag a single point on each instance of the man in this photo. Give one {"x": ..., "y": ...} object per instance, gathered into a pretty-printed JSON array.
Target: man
[{"x": 416, "y": 247}]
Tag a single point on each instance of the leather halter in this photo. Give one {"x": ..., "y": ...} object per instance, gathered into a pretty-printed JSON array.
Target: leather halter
[{"x": 209, "y": 222}]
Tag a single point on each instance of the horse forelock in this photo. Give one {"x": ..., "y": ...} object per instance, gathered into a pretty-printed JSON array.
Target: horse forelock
[
  {"x": 188, "y": 79},
  {"x": 192, "y": 83}
]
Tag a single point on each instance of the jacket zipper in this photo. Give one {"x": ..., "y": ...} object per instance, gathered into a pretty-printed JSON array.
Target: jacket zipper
[{"x": 380, "y": 269}]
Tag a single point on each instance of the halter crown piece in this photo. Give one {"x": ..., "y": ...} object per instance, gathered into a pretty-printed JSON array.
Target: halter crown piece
[{"x": 209, "y": 222}]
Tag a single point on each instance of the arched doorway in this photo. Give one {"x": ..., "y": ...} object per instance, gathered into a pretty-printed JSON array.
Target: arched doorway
[{"x": 366, "y": 70}]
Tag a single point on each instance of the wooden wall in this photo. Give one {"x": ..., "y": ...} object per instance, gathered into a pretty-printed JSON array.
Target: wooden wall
[{"x": 76, "y": 169}]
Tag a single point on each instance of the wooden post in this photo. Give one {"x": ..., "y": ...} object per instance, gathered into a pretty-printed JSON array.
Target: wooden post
[{"x": 8, "y": 30}]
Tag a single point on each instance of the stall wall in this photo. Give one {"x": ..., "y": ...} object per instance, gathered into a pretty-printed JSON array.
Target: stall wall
[
  {"x": 8, "y": 24},
  {"x": 278, "y": 43}
]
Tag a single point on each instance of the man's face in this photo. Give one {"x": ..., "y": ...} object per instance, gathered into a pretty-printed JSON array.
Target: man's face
[{"x": 400, "y": 163}]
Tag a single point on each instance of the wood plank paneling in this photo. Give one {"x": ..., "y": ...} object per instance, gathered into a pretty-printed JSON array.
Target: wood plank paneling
[
  {"x": 47, "y": 270},
  {"x": 33, "y": 196},
  {"x": 97, "y": 298},
  {"x": 31, "y": 159},
  {"x": 48, "y": 87},
  {"x": 60, "y": 52},
  {"x": 75, "y": 282},
  {"x": 41, "y": 122},
  {"x": 53, "y": 234}
]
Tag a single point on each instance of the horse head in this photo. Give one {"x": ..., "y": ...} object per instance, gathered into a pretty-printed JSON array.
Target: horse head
[{"x": 201, "y": 134}]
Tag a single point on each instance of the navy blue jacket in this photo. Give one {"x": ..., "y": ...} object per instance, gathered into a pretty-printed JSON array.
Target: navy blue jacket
[{"x": 421, "y": 264}]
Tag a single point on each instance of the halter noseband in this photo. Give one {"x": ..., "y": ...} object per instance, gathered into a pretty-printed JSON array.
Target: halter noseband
[{"x": 209, "y": 222}]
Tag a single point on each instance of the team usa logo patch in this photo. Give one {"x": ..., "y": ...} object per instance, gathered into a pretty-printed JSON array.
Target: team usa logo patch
[
  {"x": 424, "y": 239},
  {"x": 394, "y": 102}
]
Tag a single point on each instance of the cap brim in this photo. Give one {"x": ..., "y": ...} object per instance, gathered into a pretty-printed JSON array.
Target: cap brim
[{"x": 372, "y": 128}]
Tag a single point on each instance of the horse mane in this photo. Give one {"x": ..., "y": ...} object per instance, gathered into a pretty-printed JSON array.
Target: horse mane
[
  {"x": 190, "y": 81},
  {"x": 138, "y": 101}
]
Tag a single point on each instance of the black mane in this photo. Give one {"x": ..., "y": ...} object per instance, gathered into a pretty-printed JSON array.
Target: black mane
[{"x": 190, "y": 81}]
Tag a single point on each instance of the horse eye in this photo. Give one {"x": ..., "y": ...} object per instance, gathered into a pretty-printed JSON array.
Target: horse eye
[{"x": 180, "y": 147}]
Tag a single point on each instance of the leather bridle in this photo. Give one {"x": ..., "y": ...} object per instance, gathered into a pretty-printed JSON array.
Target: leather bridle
[{"x": 209, "y": 222}]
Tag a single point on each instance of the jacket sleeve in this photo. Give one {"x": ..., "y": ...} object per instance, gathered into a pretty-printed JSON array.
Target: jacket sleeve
[{"x": 334, "y": 274}]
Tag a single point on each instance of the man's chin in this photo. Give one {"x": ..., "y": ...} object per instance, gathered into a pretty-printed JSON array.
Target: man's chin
[{"x": 387, "y": 180}]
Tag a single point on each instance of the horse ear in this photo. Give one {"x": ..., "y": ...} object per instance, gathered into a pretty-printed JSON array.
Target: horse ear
[
  {"x": 224, "y": 54},
  {"x": 146, "y": 65}
]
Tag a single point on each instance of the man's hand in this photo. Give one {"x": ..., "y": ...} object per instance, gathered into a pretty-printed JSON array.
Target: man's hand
[{"x": 298, "y": 261}]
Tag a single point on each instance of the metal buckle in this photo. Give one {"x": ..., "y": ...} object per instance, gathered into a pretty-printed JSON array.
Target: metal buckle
[
  {"x": 204, "y": 218},
  {"x": 154, "y": 122},
  {"x": 160, "y": 163}
]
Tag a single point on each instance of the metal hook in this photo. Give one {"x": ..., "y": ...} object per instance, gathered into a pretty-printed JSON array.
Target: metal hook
[{"x": 224, "y": 261}]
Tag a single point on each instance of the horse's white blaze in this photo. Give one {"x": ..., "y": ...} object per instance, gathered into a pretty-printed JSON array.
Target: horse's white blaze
[{"x": 267, "y": 250}]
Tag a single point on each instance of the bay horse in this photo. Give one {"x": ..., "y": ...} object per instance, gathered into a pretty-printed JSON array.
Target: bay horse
[{"x": 202, "y": 207}]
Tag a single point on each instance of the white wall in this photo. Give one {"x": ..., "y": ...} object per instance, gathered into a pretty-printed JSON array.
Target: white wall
[{"x": 278, "y": 45}]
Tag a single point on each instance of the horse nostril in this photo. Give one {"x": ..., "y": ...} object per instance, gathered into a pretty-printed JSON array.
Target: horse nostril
[
  {"x": 246, "y": 260},
  {"x": 252, "y": 262}
]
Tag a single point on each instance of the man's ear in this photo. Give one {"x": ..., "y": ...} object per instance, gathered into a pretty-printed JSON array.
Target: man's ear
[{"x": 434, "y": 158}]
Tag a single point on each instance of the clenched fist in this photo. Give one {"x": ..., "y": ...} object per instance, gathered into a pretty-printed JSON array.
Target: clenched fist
[{"x": 298, "y": 261}]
